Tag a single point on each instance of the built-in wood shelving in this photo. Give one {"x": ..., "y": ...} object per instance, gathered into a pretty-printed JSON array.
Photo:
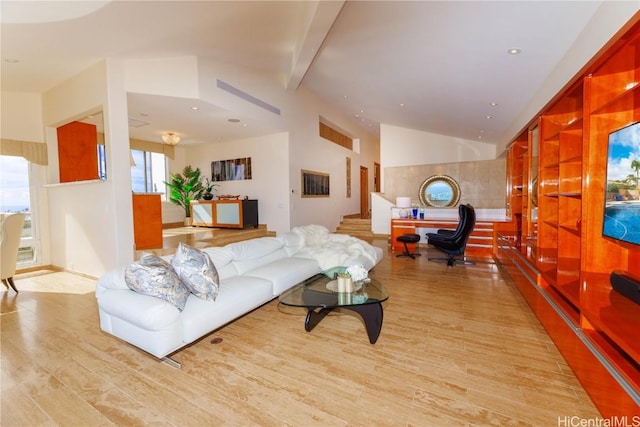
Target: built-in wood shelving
[{"x": 596, "y": 328}]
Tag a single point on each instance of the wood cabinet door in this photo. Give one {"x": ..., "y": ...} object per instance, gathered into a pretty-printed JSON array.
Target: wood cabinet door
[{"x": 78, "y": 152}]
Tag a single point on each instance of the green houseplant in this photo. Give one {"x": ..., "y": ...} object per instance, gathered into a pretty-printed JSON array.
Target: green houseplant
[
  {"x": 209, "y": 188},
  {"x": 185, "y": 187}
]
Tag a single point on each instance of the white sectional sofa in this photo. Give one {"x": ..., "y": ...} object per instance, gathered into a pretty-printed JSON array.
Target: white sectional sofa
[{"x": 251, "y": 273}]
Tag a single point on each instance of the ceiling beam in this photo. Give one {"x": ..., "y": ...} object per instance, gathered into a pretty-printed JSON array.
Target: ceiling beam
[{"x": 321, "y": 16}]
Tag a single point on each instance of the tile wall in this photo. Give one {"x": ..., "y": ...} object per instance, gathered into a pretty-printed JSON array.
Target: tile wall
[{"x": 482, "y": 183}]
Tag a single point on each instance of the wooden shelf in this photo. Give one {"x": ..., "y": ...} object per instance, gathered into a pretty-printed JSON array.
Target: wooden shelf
[
  {"x": 612, "y": 313},
  {"x": 586, "y": 319}
]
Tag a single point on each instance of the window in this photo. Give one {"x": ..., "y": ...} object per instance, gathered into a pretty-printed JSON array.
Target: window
[
  {"x": 16, "y": 197},
  {"x": 149, "y": 172},
  {"x": 102, "y": 162}
]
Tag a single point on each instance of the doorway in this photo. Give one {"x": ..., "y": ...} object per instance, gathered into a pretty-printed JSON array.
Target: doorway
[
  {"x": 376, "y": 177},
  {"x": 364, "y": 192}
]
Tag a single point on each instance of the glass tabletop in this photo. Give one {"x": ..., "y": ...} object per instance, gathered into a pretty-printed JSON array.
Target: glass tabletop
[{"x": 317, "y": 292}]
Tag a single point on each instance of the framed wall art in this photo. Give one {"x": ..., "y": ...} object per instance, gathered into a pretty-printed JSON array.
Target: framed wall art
[
  {"x": 231, "y": 170},
  {"x": 314, "y": 184}
]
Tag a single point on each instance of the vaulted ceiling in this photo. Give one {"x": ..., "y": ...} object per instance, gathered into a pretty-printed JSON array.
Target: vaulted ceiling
[{"x": 436, "y": 66}]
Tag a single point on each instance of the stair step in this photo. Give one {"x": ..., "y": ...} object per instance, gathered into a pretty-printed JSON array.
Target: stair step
[{"x": 356, "y": 227}]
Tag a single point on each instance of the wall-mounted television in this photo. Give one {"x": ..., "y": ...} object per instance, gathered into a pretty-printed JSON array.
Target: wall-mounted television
[{"x": 622, "y": 190}]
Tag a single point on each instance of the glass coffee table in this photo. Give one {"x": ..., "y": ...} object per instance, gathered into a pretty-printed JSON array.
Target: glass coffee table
[{"x": 314, "y": 295}]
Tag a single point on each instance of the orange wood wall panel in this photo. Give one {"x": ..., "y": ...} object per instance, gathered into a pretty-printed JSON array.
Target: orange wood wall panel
[
  {"x": 147, "y": 221},
  {"x": 77, "y": 152}
]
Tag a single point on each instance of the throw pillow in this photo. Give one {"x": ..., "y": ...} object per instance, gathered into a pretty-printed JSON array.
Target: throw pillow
[
  {"x": 153, "y": 276},
  {"x": 197, "y": 271}
]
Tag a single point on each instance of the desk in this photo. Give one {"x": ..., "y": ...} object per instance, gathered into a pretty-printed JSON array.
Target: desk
[{"x": 481, "y": 242}]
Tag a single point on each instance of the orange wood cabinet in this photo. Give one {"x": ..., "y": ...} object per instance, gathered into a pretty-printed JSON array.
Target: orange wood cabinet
[
  {"x": 147, "y": 221},
  {"x": 480, "y": 242},
  {"x": 77, "y": 152},
  {"x": 564, "y": 275}
]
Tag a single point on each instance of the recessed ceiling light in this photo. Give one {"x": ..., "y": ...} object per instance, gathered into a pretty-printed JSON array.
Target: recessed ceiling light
[
  {"x": 195, "y": 108},
  {"x": 513, "y": 51},
  {"x": 356, "y": 115},
  {"x": 488, "y": 117},
  {"x": 493, "y": 104},
  {"x": 480, "y": 137},
  {"x": 402, "y": 104},
  {"x": 346, "y": 96},
  {"x": 233, "y": 120},
  {"x": 244, "y": 125}
]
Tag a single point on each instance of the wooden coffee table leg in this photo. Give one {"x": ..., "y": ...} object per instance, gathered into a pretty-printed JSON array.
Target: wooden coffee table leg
[
  {"x": 372, "y": 316},
  {"x": 314, "y": 317}
]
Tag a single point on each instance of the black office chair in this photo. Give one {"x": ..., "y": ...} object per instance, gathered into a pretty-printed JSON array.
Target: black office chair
[{"x": 454, "y": 242}]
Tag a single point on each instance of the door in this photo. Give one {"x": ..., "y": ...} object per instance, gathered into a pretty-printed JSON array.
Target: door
[
  {"x": 376, "y": 177},
  {"x": 364, "y": 192}
]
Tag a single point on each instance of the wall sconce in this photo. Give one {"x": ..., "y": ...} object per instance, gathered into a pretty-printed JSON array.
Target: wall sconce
[{"x": 170, "y": 138}]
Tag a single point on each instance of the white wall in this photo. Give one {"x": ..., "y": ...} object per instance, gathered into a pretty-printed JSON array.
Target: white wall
[
  {"x": 278, "y": 157},
  {"x": 300, "y": 115},
  {"x": 91, "y": 222},
  {"x": 269, "y": 159},
  {"x": 21, "y": 116},
  {"x": 166, "y": 76},
  {"x": 311, "y": 152},
  {"x": 407, "y": 147}
]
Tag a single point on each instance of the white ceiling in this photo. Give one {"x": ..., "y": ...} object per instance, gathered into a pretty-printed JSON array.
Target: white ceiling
[{"x": 445, "y": 61}]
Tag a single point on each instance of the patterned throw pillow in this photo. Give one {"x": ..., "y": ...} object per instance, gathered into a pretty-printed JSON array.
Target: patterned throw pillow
[
  {"x": 153, "y": 276},
  {"x": 197, "y": 272}
]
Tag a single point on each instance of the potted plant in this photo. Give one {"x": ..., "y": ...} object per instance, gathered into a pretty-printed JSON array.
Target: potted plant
[
  {"x": 209, "y": 188},
  {"x": 185, "y": 187}
]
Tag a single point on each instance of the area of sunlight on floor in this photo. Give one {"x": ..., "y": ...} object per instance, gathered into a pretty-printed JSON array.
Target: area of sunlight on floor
[{"x": 54, "y": 281}]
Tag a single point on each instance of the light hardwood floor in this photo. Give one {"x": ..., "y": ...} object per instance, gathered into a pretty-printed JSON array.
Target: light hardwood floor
[{"x": 459, "y": 347}]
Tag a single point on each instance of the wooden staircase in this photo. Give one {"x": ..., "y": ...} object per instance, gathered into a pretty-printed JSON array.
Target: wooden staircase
[{"x": 356, "y": 227}]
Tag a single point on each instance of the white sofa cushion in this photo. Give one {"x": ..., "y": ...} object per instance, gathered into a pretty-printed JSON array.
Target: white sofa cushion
[
  {"x": 246, "y": 265},
  {"x": 293, "y": 242},
  {"x": 219, "y": 256},
  {"x": 236, "y": 296},
  {"x": 146, "y": 312},
  {"x": 113, "y": 279},
  {"x": 254, "y": 248},
  {"x": 286, "y": 272}
]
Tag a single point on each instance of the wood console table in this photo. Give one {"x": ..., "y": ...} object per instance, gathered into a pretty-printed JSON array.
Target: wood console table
[{"x": 224, "y": 213}]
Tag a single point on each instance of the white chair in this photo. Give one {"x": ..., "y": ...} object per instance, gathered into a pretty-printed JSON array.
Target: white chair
[{"x": 9, "y": 242}]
